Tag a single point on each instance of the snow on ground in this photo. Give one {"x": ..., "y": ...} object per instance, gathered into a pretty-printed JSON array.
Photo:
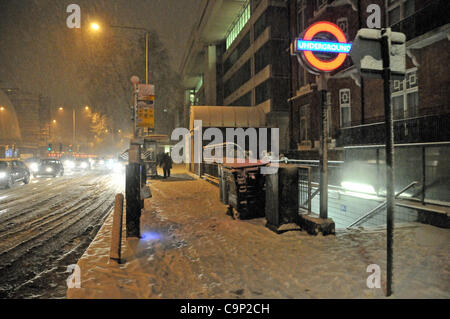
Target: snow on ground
[{"x": 192, "y": 249}]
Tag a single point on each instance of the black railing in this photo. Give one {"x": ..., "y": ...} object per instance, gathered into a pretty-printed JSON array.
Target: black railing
[
  {"x": 424, "y": 129},
  {"x": 433, "y": 16}
]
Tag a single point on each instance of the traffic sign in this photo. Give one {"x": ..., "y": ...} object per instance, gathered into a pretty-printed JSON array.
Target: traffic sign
[
  {"x": 145, "y": 115},
  {"x": 310, "y": 44},
  {"x": 367, "y": 54},
  {"x": 146, "y": 92}
]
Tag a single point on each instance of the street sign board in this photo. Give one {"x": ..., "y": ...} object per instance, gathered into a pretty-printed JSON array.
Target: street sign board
[
  {"x": 366, "y": 53},
  {"x": 146, "y": 92},
  {"x": 145, "y": 114},
  {"x": 311, "y": 44}
]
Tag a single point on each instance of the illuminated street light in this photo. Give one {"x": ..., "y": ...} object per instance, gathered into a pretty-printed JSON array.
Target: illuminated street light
[
  {"x": 61, "y": 109},
  {"x": 86, "y": 108},
  {"x": 95, "y": 26},
  {"x": 2, "y": 108},
  {"x": 54, "y": 121}
]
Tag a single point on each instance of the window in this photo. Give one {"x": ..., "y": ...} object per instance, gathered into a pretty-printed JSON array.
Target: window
[
  {"x": 345, "y": 108},
  {"x": 238, "y": 79},
  {"x": 261, "y": 24},
  {"x": 304, "y": 122},
  {"x": 301, "y": 9},
  {"x": 320, "y": 4},
  {"x": 238, "y": 25},
  {"x": 262, "y": 92},
  {"x": 405, "y": 96},
  {"x": 237, "y": 52},
  {"x": 301, "y": 6},
  {"x": 245, "y": 100},
  {"x": 399, "y": 10},
  {"x": 342, "y": 23},
  {"x": 262, "y": 57}
]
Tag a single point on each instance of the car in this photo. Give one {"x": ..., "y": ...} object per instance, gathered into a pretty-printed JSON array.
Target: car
[
  {"x": 13, "y": 171},
  {"x": 49, "y": 167},
  {"x": 32, "y": 163},
  {"x": 82, "y": 164}
]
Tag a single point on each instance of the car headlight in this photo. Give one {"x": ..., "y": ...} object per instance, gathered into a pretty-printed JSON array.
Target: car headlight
[
  {"x": 69, "y": 164},
  {"x": 2, "y": 175},
  {"x": 49, "y": 169},
  {"x": 34, "y": 167},
  {"x": 84, "y": 165}
]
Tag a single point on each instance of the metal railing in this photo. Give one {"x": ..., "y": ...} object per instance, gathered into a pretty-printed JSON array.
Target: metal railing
[
  {"x": 304, "y": 188},
  {"x": 379, "y": 207},
  {"x": 432, "y": 16},
  {"x": 432, "y": 128}
]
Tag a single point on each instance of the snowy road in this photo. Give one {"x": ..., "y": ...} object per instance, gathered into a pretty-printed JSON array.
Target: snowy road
[{"x": 46, "y": 226}]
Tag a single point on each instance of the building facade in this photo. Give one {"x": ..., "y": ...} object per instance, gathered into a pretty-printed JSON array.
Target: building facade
[
  {"x": 33, "y": 115},
  {"x": 356, "y": 112},
  {"x": 238, "y": 55}
]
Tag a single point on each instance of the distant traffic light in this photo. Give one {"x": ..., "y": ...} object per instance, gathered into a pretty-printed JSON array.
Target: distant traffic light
[
  {"x": 50, "y": 147},
  {"x": 70, "y": 148}
]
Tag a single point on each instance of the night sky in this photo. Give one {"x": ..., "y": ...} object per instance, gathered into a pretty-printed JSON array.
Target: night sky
[{"x": 39, "y": 54}]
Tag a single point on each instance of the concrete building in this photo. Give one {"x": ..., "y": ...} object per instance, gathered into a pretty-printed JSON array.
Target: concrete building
[
  {"x": 237, "y": 55},
  {"x": 33, "y": 115},
  {"x": 356, "y": 113},
  {"x": 10, "y": 136}
]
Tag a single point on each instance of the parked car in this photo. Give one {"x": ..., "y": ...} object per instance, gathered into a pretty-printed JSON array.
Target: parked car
[
  {"x": 13, "y": 171},
  {"x": 49, "y": 167}
]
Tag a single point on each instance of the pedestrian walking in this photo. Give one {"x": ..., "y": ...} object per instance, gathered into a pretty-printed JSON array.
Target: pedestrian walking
[{"x": 166, "y": 165}]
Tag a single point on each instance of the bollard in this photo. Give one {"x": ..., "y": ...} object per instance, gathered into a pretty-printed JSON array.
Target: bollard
[
  {"x": 133, "y": 198},
  {"x": 116, "y": 235}
]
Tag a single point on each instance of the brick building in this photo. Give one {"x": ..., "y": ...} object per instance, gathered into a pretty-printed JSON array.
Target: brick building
[{"x": 356, "y": 113}]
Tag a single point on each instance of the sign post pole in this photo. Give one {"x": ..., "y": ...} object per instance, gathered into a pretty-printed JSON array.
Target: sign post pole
[
  {"x": 132, "y": 176},
  {"x": 323, "y": 163},
  {"x": 306, "y": 49},
  {"x": 389, "y": 119}
]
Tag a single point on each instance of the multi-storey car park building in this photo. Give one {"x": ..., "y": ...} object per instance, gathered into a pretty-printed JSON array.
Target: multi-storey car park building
[{"x": 238, "y": 55}]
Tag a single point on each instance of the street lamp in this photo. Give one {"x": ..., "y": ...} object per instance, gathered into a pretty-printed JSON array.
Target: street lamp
[
  {"x": 96, "y": 28},
  {"x": 73, "y": 121},
  {"x": 2, "y": 108}
]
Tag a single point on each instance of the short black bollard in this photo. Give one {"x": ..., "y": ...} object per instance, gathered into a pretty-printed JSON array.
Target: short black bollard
[
  {"x": 143, "y": 174},
  {"x": 133, "y": 197},
  {"x": 116, "y": 234}
]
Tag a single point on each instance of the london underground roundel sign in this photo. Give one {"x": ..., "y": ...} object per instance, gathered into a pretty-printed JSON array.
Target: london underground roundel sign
[{"x": 308, "y": 47}]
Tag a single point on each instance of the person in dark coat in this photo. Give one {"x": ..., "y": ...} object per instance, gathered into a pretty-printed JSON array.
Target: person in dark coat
[{"x": 166, "y": 164}]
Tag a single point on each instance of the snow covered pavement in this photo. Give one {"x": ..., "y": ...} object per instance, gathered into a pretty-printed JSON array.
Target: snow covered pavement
[{"x": 191, "y": 249}]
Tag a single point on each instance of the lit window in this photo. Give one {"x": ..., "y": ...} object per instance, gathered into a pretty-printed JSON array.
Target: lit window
[{"x": 238, "y": 25}]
